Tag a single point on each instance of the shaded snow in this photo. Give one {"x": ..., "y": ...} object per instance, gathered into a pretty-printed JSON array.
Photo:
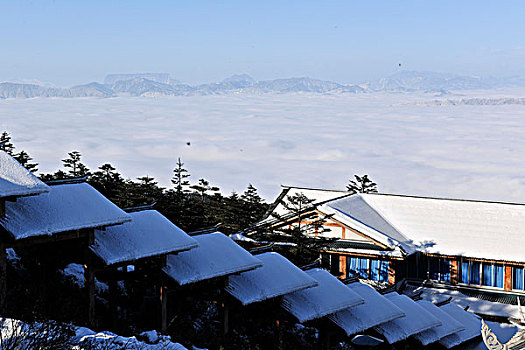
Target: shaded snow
[
  {"x": 471, "y": 322},
  {"x": 449, "y": 325},
  {"x": 66, "y": 207},
  {"x": 330, "y": 296},
  {"x": 376, "y": 310},
  {"x": 148, "y": 234},
  {"x": 15, "y": 180},
  {"x": 416, "y": 320},
  {"x": 277, "y": 276},
  {"x": 216, "y": 255}
]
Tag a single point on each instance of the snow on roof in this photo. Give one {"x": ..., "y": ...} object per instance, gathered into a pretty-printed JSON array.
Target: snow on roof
[
  {"x": 376, "y": 310},
  {"x": 448, "y": 324},
  {"x": 15, "y": 180},
  {"x": 148, "y": 234},
  {"x": 217, "y": 255},
  {"x": 66, "y": 207},
  {"x": 330, "y": 296},
  {"x": 417, "y": 319},
  {"x": 470, "y": 321},
  {"x": 277, "y": 276},
  {"x": 443, "y": 226}
]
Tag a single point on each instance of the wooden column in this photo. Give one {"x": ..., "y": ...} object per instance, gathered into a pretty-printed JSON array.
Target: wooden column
[
  {"x": 90, "y": 279},
  {"x": 3, "y": 277},
  {"x": 163, "y": 309},
  {"x": 391, "y": 272},
  {"x": 507, "y": 282},
  {"x": 342, "y": 266},
  {"x": 453, "y": 272}
]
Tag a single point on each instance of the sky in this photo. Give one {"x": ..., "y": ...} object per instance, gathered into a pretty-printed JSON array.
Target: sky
[{"x": 73, "y": 42}]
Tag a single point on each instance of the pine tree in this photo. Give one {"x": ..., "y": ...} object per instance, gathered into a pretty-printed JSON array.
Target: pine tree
[
  {"x": 24, "y": 159},
  {"x": 252, "y": 207},
  {"x": 203, "y": 187},
  {"x": 108, "y": 181},
  {"x": 179, "y": 178},
  {"x": 362, "y": 184},
  {"x": 77, "y": 168},
  {"x": 6, "y": 145}
]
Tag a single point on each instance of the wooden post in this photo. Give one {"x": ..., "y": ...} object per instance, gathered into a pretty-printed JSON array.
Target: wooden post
[
  {"x": 3, "y": 277},
  {"x": 163, "y": 309},
  {"x": 90, "y": 285},
  {"x": 280, "y": 344},
  {"x": 342, "y": 267},
  {"x": 454, "y": 272},
  {"x": 508, "y": 278}
]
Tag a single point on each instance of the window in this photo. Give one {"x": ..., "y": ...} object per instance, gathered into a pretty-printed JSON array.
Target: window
[
  {"x": 351, "y": 266},
  {"x": 334, "y": 265},
  {"x": 439, "y": 269},
  {"x": 498, "y": 276},
  {"x": 517, "y": 278},
  {"x": 465, "y": 271},
  {"x": 373, "y": 269},
  {"x": 487, "y": 275},
  {"x": 362, "y": 268},
  {"x": 475, "y": 267},
  {"x": 383, "y": 270}
]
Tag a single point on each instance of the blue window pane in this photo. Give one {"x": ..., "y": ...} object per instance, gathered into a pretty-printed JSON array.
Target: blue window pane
[
  {"x": 374, "y": 270},
  {"x": 383, "y": 272},
  {"x": 445, "y": 270},
  {"x": 464, "y": 272},
  {"x": 434, "y": 268},
  {"x": 474, "y": 272},
  {"x": 517, "y": 278},
  {"x": 498, "y": 276},
  {"x": 487, "y": 275},
  {"x": 363, "y": 268},
  {"x": 351, "y": 265}
]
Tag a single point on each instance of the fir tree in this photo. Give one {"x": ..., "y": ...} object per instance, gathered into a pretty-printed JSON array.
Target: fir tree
[
  {"x": 24, "y": 159},
  {"x": 76, "y": 167},
  {"x": 203, "y": 187},
  {"x": 179, "y": 178},
  {"x": 5, "y": 143},
  {"x": 362, "y": 184}
]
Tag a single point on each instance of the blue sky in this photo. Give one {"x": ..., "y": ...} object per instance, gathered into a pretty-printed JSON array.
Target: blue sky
[{"x": 70, "y": 42}]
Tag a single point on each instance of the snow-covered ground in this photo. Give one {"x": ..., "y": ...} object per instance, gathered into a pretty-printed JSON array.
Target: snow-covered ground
[{"x": 465, "y": 151}]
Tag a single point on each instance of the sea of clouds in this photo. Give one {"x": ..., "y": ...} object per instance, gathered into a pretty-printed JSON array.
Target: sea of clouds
[{"x": 463, "y": 151}]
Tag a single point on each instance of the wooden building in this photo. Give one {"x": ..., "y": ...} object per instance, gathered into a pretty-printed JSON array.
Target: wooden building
[{"x": 469, "y": 245}]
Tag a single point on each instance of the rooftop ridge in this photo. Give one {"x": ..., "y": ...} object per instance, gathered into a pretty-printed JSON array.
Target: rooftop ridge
[
  {"x": 443, "y": 198},
  {"x": 315, "y": 189}
]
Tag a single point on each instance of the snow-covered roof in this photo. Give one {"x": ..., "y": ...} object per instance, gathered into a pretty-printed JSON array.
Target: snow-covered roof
[
  {"x": 66, "y": 207},
  {"x": 441, "y": 226},
  {"x": 217, "y": 255},
  {"x": 15, "y": 180},
  {"x": 148, "y": 234},
  {"x": 277, "y": 276},
  {"x": 417, "y": 319},
  {"x": 376, "y": 310},
  {"x": 470, "y": 321},
  {"x": 330, "y": 296},
  {"x": 448, "y": 324}
]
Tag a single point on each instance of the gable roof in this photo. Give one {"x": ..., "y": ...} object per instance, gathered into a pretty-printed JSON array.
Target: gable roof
[
  {"x": 277, "y": 276},
  {"x": 440, "y": 226},
  {"x": 15, "y": 180},
  {"x": 416, "y": 319},
  {"x": 449, "y": 325},
  {"x": 66, "y": 207},
  {"x": 330, "y": 296},
  {"x": 148, "y": 234},
  {"x": 217, "y": 255},
  {"x": 375, "y": 310}
]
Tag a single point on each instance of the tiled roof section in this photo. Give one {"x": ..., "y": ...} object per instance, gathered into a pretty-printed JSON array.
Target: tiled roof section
[
  {"x": 16, "y": 181},
  {"x": 66, "y": 207},
  {"x": 217, "y": 255},
  {"x": 278, "y": 276},
  {"x": 148, "y": 234}
]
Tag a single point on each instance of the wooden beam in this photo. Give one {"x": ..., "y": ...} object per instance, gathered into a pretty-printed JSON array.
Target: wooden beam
[{"x": 163, "y": 309}]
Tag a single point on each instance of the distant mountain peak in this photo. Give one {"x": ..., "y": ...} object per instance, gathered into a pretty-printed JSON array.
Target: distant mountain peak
[{"x": 239, "y": 78}]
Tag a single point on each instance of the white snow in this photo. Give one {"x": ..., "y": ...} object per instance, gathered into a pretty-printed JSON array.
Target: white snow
[
  {"x": 448, "y": 324},
  {"x": 471, "y": 322},
  {"x": 277, "y": 276},
  {"x": 330, "y": 296},
  {"x": 217, "y": 255},
  {"x": 376, "y": 310},
  {"x": 450, "y": 227},
  {"x": 308, "y": 140},
  {"x": 75, "y": 273},
  {"x": 148, "y": 234},
  {"x": 15, "y": 180},
  {"x": 416, "y": 320},
  {"x": 66, "y": 207}
]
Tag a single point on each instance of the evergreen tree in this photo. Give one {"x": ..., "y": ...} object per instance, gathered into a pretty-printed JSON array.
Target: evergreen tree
[
  {"x": 179, "y": 179},
  {"x": 362, "y": 184},
  {"x": 203, "y": 187},
  {"x": 77, "y": 168},
  {"x": 108, "y": 181},
  {"x": 303, "y": 227},
  {"x": 252, "y": 208},
  {"x": 24, "y": 159},
  {"x": 6, "y": 145}
]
